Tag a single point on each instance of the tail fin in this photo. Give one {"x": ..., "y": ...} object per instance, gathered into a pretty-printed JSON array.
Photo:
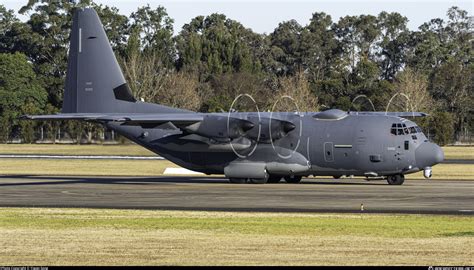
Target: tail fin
[{"x": 94, "y": 81}]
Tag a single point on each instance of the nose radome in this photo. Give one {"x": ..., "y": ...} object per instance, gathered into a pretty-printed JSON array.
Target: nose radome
[
  {"x": 428, "y": 154},
  {"x": 439, "y": 154}
]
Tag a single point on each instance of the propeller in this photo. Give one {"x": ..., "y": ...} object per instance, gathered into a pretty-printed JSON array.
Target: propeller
[
  {"x": 246, "y": 125},
  {"x": 286, "y": 140}
]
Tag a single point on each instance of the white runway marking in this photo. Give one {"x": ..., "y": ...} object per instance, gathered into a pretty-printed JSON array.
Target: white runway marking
[{"x": 180, "y": 171}]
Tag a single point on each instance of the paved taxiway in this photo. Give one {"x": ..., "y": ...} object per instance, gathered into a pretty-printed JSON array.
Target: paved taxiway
[{"x": 209, "y": 193}]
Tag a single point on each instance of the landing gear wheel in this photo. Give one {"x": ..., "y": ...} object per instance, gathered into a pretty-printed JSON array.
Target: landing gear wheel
[
  {"x": 293, "y": 179},
  {"x": 397, "y": 179},
  {"x": 237, "y": 180},
  {"x": 258, "y": 180},
  {"x": 337, "y": 176},
  {"x": 274, "y": 179}
]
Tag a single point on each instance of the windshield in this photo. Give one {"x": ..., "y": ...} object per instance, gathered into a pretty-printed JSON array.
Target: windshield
[{"x": 402, "y": 129}]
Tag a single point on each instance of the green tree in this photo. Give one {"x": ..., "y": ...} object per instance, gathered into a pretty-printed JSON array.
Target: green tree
[
  {"x": 441, "y": 127},
  {"x": 20, "y": 91},
  {"x": 152, "y": 31},
  {"x": 286, "y": 48},
  {"x": 452, "y": 86},
  {"x": 215, "y": 44},
  {"x": 393, "y": 44},
  {"x": 317, "y": 47}
]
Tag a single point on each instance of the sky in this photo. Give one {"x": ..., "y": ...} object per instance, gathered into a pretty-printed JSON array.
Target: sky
[{"x": 263, "y": 16}]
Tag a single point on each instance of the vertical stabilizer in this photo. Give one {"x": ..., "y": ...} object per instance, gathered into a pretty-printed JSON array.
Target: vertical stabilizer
[{"x": 94, "y": 81}]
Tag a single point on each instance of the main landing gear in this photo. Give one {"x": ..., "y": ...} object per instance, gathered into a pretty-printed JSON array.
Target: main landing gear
[
  {"x": 397, "y": 179},
  {"x": 270, "y": 179}
]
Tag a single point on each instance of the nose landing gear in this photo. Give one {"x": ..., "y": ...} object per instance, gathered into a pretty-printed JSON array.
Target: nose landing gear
[
  {"x": 397, "y": 179},
  {"x": 427, "y": 172}
]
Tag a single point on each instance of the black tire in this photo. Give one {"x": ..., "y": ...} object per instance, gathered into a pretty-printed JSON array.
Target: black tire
[
  {"x": 258, "y": 180},
  {"x": 293, "y": 179},
  {"x": 274, "y": 179},
  {"x": 238, "y": 180},
  {"x": 397, "y": 179},
  {"x": 337, "y": 176}
]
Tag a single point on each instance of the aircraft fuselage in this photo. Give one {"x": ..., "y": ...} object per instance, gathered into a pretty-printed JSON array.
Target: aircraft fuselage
[{"x": 359, "y": 145}]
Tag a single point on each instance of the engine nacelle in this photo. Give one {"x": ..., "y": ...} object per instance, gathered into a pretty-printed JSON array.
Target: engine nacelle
[
  {"x": 270, "y": 129},
  {"x": 220, "y": 127}
]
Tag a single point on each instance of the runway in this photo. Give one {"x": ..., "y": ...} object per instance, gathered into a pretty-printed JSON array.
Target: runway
[{"x": 212, "y": 193}]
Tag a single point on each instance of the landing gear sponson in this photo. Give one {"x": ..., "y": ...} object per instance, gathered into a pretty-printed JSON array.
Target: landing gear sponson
[
  {"x": 397, "y": 179},
  {"x": 270, "y": 179}
]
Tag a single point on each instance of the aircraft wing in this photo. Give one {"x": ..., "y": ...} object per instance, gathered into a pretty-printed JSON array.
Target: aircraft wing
[
  {"x": 126, "y": 119},
  {"x": 398, "y": 114}
]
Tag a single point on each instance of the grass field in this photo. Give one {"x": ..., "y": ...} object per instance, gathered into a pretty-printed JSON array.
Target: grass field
[
  {"x": 75, "y": 149},
  {"x": 458, "y": 152},
  {"x": 104, "y": 167},
  {"x": 451, "y": 152},
  {"x": 35, "y": 236},
  {"x": 156, "y": 167}
]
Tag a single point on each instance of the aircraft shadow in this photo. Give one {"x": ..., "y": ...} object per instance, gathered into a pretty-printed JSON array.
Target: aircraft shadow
[{"x": 61, "y": 180}]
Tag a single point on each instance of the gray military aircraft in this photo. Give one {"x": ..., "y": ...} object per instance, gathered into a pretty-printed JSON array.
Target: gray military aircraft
[{"x": 250, "y": 147}]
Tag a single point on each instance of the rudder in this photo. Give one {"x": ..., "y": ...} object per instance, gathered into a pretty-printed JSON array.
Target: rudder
[{"x": 94, "y": 80}]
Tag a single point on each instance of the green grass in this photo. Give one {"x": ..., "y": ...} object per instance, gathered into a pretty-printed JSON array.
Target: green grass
[
  {"x": 84, "y": 167},
  {"x": 448, "y": 172},
  {"x": 451, "y": 152},
  {"x": 156, "y": 167},
  {"x": 458, "y": 152},
  {"x": 75, "y": 149},
  {"x": 33, "y": 236}
]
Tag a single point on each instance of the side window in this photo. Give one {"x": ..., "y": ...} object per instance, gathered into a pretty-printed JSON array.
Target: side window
[
  {"x": 393, "y": 130},
  {"x": 400, "y": 131},
  {"x": 412, "y": 130}
]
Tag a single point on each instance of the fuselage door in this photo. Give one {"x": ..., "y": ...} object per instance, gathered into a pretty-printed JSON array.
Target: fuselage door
[{"x": 328, "y": 152}]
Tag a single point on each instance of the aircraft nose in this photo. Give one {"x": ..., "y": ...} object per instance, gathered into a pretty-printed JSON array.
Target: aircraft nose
[{"x": 428, "y": 154}]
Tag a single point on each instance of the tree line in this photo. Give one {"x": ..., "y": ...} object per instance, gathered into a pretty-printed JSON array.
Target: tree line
[{"x": 323, "y": 64}]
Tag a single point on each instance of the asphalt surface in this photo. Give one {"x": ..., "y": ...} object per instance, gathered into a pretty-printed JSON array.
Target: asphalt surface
[{"x": 210, "y": 193}]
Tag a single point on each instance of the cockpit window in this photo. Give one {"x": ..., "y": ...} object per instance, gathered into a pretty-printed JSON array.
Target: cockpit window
[{"x": 402, "y": 129}]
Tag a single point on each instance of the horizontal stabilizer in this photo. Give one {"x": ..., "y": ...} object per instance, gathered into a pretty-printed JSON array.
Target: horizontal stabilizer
[
  {"x": 127, "y": 119},
  {"x": 62, "y": 116}
]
